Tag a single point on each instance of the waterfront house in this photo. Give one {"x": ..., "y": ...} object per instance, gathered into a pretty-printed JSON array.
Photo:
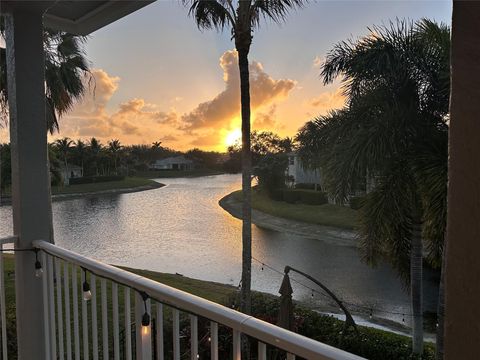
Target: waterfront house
[
  {"x": 298, "y": 173},
  {"x": 48, "y": 323},
  {"x": 173, "y": 163},
  {"x": 72, "y": 171}
]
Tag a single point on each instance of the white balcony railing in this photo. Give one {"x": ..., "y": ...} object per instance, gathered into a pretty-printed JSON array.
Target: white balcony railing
[{"x": 196, "y": 328}]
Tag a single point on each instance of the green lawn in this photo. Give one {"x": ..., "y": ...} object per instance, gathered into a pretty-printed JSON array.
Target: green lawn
[
  {"x": 327, "y": 214},
  {"x": 127, "y": 183},
  {"x": 177, "y": 173}
]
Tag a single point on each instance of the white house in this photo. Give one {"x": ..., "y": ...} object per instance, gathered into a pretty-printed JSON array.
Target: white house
[
  {"x": 173, "y": 163},
  {"x": 299, "y": 173},
  {"x": 72, "y": 171}
]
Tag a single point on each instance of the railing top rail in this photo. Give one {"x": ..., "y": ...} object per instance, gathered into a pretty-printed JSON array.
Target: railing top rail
[
  {"x": 261, "y": 330},
  {"x": 8, "y": 240}
]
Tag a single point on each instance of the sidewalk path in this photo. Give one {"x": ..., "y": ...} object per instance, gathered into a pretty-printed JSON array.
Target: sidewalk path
[{"x": 328, "y": 234}]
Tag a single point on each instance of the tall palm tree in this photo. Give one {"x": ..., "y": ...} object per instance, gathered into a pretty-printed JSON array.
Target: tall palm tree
[
  {"x": 95, "y": 148},
  {"x": 67, "y": 74},
  {"x": 394, "y": 127},
  {"x": 114, "y": 147},
  {"x": 242, "y": 17},
  {"x": 80, "y": 152},
  {"x": 64, "y": 147}
]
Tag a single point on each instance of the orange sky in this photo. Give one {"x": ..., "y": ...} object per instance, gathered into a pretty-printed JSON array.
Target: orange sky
[{"x": 157, "y": 78}]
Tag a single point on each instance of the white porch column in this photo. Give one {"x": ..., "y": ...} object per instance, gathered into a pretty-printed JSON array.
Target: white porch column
[
  {"x": 462, "y": 280},
  {"x": 30, "y": 181}
]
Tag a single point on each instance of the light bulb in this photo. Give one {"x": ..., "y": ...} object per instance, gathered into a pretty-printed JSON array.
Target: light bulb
[
  {"x": 145, "y": 320},
  {"x": 87, "y": 294},
  {"x": 38, "y": 269}
]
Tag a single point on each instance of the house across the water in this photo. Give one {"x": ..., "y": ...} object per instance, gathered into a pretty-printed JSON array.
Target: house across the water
[
  {"x": 173, "y": 163},
  {"x": 299, "y": 173}
]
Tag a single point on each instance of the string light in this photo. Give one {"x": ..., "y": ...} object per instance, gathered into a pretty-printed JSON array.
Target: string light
[
  {"x": 403, "y": 317},
  {"x": 371, "y": 313},
  {"x": 263, "y": 266},
  {"x": 87, "y": 294},
  {"x": 146, "y": 315},
  {"x": 360, "y": 308},
  {"x": 38, "y": 266}
]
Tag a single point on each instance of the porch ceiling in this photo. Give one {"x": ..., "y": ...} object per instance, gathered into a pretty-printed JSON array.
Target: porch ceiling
[
  {"x": 79, "y": 17},
  {"x": 84, "y": 17}
]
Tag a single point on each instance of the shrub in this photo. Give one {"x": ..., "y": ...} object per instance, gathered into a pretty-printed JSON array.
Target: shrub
[
  {"x": 356, "y": 202},
  {"x": 312, "y": 197},
  {"x": 276, "y": 194},
  {"x": 95, "y": 179},
  {"x": 291, "y": 196},
  {"x": 306, "y": 186}
]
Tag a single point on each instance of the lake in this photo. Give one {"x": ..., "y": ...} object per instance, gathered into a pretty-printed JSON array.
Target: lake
[{"x": 180, "y": 228}]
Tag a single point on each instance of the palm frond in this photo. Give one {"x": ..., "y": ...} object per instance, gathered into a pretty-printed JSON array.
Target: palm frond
[
  {"x": 210, "y": 14},
  {"x": 275, "y": 10}
]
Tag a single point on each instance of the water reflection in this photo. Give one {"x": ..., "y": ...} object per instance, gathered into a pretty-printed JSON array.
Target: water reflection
[{"x": 180, "y": 228}]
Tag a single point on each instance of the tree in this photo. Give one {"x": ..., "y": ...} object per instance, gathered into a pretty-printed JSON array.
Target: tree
[
  {"x": 95, "y": 149},
  {"x": 80, "y": 153},
  {"x": 242, "y": 17},
  {"x": 394, "y": 128},
  {"x": 114, "y": 147},
  {"x": 64, "y": 147},
  {"x": 67, "y": 74}
]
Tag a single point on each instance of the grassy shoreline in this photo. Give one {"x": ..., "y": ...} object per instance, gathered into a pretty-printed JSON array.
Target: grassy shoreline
[
  {"x": 327, "y": 214},
  {"x": 159, "y": 174},
  {"x": 129, "y": 184}
]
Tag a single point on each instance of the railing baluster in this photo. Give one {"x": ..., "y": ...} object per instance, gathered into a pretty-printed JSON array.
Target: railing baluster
[
  {"x": 68, "y": 324},
  {"x": 116, "y": 331},
  {"x": 76, "y": 330},
  {"x": 193, "y": 337},
  {"x": 290, "y": 356},
  {"x": 46, "y": 316},
  {"x": 104, "y": 319},
  {"x": 176, "y": 334},
  {"x": 3, "y": 317},
  {"x": 213, "y": 340},
  {"x": 144, "y": 333},
  {"x": 159, "y": 319},
  {"x": 58, "y": 277},
  {"x": 128, "y": 325},
  {"x": 262, "y": 351},
  {"x": 51, "y": 303},
  {"x": 86, "y": 350},
  {"x": 237, "y": 340},
  {"x": 93, "y": 289}
]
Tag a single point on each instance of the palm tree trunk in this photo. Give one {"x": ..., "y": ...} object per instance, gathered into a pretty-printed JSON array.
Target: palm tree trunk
[
  {"x": 440, "y": 312},
  {"x": 246, "y": 183},
  {"x": 416, "y": 277}
]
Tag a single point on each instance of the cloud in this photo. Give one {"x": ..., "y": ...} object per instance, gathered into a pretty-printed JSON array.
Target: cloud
[
  {"x": 318, "y": 61},
  {"x": 328, "y": 100},
  {"x": 226, "y": 105},
  {"x": 265, "y": 121}
]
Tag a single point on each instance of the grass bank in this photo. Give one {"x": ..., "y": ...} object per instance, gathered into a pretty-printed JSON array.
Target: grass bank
[
  {"x": 327, "y": 214},
  {"x": 177, "y": 173},
  {"x": 127, "y": 183},
  {"x": 370, "y": 343}
]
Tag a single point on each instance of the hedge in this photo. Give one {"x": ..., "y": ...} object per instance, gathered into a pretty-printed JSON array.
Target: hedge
[
  {"x": 95, "y": 179},
  {"x": 370, "y": 343},
  {"x": 309, "y": 197},
  {"x": 307, "y": 186}
]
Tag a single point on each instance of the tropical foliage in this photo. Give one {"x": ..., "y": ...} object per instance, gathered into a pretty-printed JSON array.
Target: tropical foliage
[{"x": 393, "y": 132}]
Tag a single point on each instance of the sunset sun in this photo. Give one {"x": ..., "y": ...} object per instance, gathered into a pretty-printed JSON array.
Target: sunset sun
[{"x": 232, "y": 137}]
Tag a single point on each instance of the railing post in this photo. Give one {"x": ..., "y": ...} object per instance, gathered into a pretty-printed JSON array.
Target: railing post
[
  {"x": 30, "y": 179},
  {"x": 143, "y": 333}
]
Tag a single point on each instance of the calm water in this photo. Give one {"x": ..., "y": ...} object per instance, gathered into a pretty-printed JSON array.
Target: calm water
[{"x": 180, "y": 228}]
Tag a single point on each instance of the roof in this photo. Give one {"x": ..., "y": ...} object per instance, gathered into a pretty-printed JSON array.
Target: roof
[
  {"x": 80, "y": 17},
  {"x": 174, "y": 160}
]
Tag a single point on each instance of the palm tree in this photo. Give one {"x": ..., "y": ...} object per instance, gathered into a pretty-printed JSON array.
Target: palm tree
[
  {"x": 80, "y": 152},
  {"x": 242, "y": 17},
  {"x": 114, "y": 147},
  {"x": 66, "y": 74},
  {"x": 394, "y": 127},
  {"x": 95, "y": 148},
  {"x": 64, "y": 146}
]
